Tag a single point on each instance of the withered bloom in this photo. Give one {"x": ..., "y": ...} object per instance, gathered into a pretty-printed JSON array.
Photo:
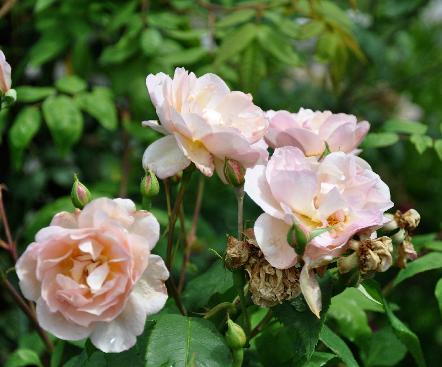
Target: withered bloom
[{"x": 408, "y": 220}]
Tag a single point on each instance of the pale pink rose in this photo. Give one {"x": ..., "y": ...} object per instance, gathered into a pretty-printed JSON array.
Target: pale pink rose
[
  {"x": 92, "y": 274},
  {"x": 204, "y": 123},
  {"x": 309, "y": 131},
  {"x": 5, "y": 73},
  {"x": 341, "y": 193}
]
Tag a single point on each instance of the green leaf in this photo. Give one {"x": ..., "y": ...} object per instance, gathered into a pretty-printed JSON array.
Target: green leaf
[
  {"x": 24, "y": 128},
  {"x": 384, "y": 349},
  {"x": 185, "y": 57},
  {"x": 351, "y": 319},
  {"x": 311, "y": 29},
  {"x": 337, "y": 345},
  {"x": 23, "y": 357},
  {"x": 237, "y": 17},
  {"x": 150, "y": 41},
  {"x": 64, "y": 120},
  {"x": 319, "y": 359},
  {"x": 302, "y": 325},
  {"x": 438, "y": 148},
  {"x": 438, "y": 294},
  {"x": 186, "y": 341},
  {"x": 252, "y": 68},
  {"x": 379, "y": 140},
  {"x": 404, "y": 127},
  {"x": 71, "y": 84},
  {"x": 33, "y": 94},
  {"x": 405, "y": 335},
  {"x": 41, "y": 5},
  {"x": 216, "y": 280},
  {"x": 431, "y": 261},
  {"x": 421, "y": 142},
  {"x": 278, "y": 45},
  {"x": 100, "y": 105},
  {"x": 48, "y": 48},
  {"x": 235, "y": 42}
]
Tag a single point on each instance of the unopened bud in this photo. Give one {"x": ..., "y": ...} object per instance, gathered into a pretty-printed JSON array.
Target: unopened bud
[
  {"x": 234, "y": 172},
  {"x": 235, "y": 335},
  {"x": 297, "y": 238},
  {"x": 149, "y": 186},
  {"x": 80, "y": 195}
]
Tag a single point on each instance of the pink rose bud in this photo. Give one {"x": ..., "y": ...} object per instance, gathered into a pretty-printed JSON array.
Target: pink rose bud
[
  {"x": 234, "y": 172},
  {"x": 5, "y": 73},
  {"x": 80, "y": 194}
]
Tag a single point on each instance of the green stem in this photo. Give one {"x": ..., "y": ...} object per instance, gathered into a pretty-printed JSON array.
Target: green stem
[{"x": 239, "y": 193}]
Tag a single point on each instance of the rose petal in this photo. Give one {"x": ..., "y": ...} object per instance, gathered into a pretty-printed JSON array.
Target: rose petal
[
  {"x": 164, "y": 157},
  {"x": 271, "y": 236},
  {"x": 310, "y": 289}
]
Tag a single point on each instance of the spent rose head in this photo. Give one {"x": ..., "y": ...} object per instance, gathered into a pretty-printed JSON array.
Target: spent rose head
[
  {"x": 92, "y": 274},
  {"x": 340, "y": 193},
  {"x": 310, "y": 131},
  {"x": 204, "y": 122}
]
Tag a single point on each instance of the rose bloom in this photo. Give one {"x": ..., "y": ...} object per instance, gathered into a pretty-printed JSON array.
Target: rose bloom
[
  {"x": 204, "y": 123},
  {"x": 91, "y": 274},
  {"x": 309, "y": 131},
  {"x": 5, "y": 73},
  {"x": 340, "y": 193}
]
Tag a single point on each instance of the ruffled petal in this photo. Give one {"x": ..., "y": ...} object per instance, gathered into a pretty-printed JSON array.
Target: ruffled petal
[
  {"x": 311, "y": 290},
  {"x": 271, "y": 236},
  {"x": 164, "y": 157}
]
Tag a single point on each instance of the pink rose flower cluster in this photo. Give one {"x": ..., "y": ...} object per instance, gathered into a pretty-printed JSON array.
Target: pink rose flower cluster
[
  {"x": 92, "y": 274},
  {"x": 205, "y": 123}
]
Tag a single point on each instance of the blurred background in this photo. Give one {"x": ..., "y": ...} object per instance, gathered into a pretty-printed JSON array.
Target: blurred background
[{"x": 79, "y": 68}]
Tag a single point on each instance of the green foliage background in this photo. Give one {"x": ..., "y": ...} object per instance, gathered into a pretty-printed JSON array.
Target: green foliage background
[{"x": 79, "y": 68}]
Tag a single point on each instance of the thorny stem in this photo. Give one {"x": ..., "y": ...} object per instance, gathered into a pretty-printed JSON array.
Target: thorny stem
[
  {"x": 29, "y": 312},
  {"x": 190, "y": 238}
]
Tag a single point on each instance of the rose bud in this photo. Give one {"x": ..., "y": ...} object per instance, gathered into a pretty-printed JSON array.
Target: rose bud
[
  {"x": 235, "y": 335},
  {"x": 149, "y": 186},
  {"x": 80, "y": 194},
  {"x": 234, "y": 172}
]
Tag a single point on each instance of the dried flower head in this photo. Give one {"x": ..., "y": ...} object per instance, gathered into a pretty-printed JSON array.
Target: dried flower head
[
  {"x": 406, "y": 252},
  {"x": 408, "y": 220},
  {"x": 371, "y": 255},
  {"x": 237, "y": 252}
]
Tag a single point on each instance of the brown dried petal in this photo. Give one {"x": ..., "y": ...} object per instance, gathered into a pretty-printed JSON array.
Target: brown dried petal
[
  {"x": 408, "y": 220},
  {"x": 237, "y": 252}
]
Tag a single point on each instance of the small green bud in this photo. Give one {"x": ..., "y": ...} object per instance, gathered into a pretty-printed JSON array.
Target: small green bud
[
  {"x": 297, "y": 239},
  {"x": 149, "y": 186},
  {"x": 235, "y": 335},
  {"x": 80, "y": 195},
  {"x": 234, "y": 172}
]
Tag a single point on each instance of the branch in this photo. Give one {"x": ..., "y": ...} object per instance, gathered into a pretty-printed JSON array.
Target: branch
[{"x": 11, "y": 244}]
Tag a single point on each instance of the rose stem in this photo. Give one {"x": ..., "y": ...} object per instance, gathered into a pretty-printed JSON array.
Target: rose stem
[
  {"x": 238, "y": 274},
  {"x": 190, "y": 238},
  {"x": 258, "y": 328},
  {"x": 11, "y": 244}
]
